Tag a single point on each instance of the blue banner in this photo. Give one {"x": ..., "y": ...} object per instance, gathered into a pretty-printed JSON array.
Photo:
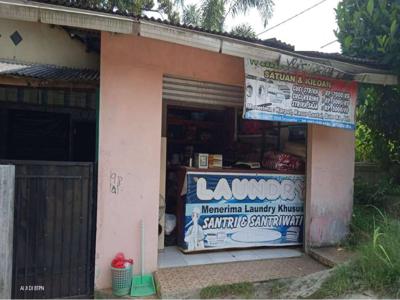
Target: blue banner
[{"x": 231, "y": 210}]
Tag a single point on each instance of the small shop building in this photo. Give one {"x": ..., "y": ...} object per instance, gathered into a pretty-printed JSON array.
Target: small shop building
[{"x": 215, "y": 142}]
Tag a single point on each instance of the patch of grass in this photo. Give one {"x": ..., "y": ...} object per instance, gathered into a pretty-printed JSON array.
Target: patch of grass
[
  {"x": 241, "y": 290},
  {"x": 379, "y": 261},
  {"x": 277, "y": 288},
  {"x": 377, "y": 266},
  {"x": 342, "y": 280},
  {"x": 361, "y": 227}
]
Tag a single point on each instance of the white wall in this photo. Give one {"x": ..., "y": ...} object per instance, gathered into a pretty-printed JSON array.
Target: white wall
[{"x": 44, "y": 44}]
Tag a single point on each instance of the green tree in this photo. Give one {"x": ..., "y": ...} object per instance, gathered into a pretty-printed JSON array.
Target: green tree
[
  {"x": 137, "y": 7},
  {"x": 168, "y": 8},
  {"x": 370, "y": 29},
  {"x": 126, "y": 6},
  {"x": 191, "y": 15},
  {"x": 212, "y": 14},
  {"x": 244, "y": 30},
  {"x": 209, "y": 14}
]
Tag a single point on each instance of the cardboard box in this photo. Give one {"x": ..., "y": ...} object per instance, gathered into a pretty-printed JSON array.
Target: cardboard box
[{"x": 215, "y": 161}]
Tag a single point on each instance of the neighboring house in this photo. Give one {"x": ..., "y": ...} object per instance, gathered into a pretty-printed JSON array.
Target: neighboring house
[
  {"x": 46, "y": 44},
  {"x": 49, "y": 80},
  {"x": 104, "y": 174},
  {"x": 45, "y": 68}
]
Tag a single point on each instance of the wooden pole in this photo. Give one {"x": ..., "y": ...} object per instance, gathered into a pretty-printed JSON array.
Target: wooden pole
[{"x": 7, "y": 183}]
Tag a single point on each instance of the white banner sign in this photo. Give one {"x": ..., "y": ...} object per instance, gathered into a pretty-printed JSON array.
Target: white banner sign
[{"x": 278, "y": 95}]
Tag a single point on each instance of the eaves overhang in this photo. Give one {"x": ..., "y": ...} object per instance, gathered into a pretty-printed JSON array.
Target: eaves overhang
[{"x": 32, "y": 11}]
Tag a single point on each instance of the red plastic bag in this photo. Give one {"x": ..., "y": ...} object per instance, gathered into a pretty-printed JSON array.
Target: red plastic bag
[
  {"x": 119, "y": 261},
  {"x": 282, "y": 161}
]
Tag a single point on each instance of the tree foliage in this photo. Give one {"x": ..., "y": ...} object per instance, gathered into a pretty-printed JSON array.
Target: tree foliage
[
  {"x": 170, "y": 10},
  {"x": 125, "y": 6},
  {"x": 192, "y": 15},
  {"x": 212, "y": 14},
  {"x": 208, "y": 14},
  {"x": 244, "y": 30},
  {"x": 165, "y": 8},
  {"x": 370, "y": 29},
  {"x": 264, "y": 7}
]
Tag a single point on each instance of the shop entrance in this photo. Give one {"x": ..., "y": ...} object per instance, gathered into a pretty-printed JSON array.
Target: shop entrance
[
  {"x": 230, "y": 183},
  {"x": 49, "y": 134}
]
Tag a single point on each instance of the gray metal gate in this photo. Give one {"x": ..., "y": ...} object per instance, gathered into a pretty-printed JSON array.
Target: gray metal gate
[
  {"x": 201, "y": 92},
  {"x": 54, "y": 230}
]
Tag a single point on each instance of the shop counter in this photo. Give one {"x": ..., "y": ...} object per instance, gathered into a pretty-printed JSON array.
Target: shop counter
[{"x": 239, "y": 208}]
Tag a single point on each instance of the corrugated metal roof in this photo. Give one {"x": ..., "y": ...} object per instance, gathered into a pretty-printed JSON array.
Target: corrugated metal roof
[
  {"x": 47, "y": 72},
  {"x": 344, "y": 58},
  {"x": 274, "y": 43}
]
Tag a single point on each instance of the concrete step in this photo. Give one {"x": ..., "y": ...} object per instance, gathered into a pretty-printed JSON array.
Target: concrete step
[{"x": 331, "y": 256}]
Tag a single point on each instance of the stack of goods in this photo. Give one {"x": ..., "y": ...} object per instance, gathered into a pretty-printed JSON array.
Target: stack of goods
[
  {"x": 215, "y": 161},
  {"x": 282, "y": 161}
]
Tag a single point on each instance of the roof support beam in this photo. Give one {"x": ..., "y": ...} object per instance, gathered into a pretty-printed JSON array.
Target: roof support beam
[
  {"x": 178, "y": 36},
  {"x": 373, "y": 78},
  {"x": 322, "y": 67},
  {"x": 66, "y": 16}
]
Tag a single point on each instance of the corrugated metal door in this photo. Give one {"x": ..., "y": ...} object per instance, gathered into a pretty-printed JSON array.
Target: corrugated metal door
[
  {"x": 54, "y": 230},
  {"x": 200, "y": 92}
]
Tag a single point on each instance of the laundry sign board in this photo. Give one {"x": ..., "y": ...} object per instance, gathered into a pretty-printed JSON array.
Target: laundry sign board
[
  {"x": 281, "y": 95},
  {"x": 240, "y": 210}
]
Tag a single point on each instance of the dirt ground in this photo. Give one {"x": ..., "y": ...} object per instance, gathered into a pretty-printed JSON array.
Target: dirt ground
[{"x": 300, "y": 288}]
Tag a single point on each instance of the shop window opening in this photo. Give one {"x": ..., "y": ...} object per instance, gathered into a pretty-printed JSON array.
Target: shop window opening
[{"x": 222, "y": 175}]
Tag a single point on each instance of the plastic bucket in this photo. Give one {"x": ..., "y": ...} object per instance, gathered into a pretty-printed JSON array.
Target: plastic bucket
[{"x": 121, "y": 280}]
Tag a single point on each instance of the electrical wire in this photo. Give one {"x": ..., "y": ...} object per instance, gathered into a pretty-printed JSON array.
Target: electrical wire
[
  {"x": 327, "y": 44},
  {"x": 291, "y": 18}
]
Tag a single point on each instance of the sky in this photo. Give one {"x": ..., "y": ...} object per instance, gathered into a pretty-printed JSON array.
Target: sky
[{"x": 309, "y": 31}]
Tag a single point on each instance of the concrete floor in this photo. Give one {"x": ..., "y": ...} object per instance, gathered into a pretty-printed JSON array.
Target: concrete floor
[
  {"x": 186, "y": 282},
  {"x": 173, "y": 257}
]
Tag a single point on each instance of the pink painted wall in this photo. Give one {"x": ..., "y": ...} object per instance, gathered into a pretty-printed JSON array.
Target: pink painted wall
[
  {"x": 330, "y": 173},
  {"x": 130, "y": 138}
]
